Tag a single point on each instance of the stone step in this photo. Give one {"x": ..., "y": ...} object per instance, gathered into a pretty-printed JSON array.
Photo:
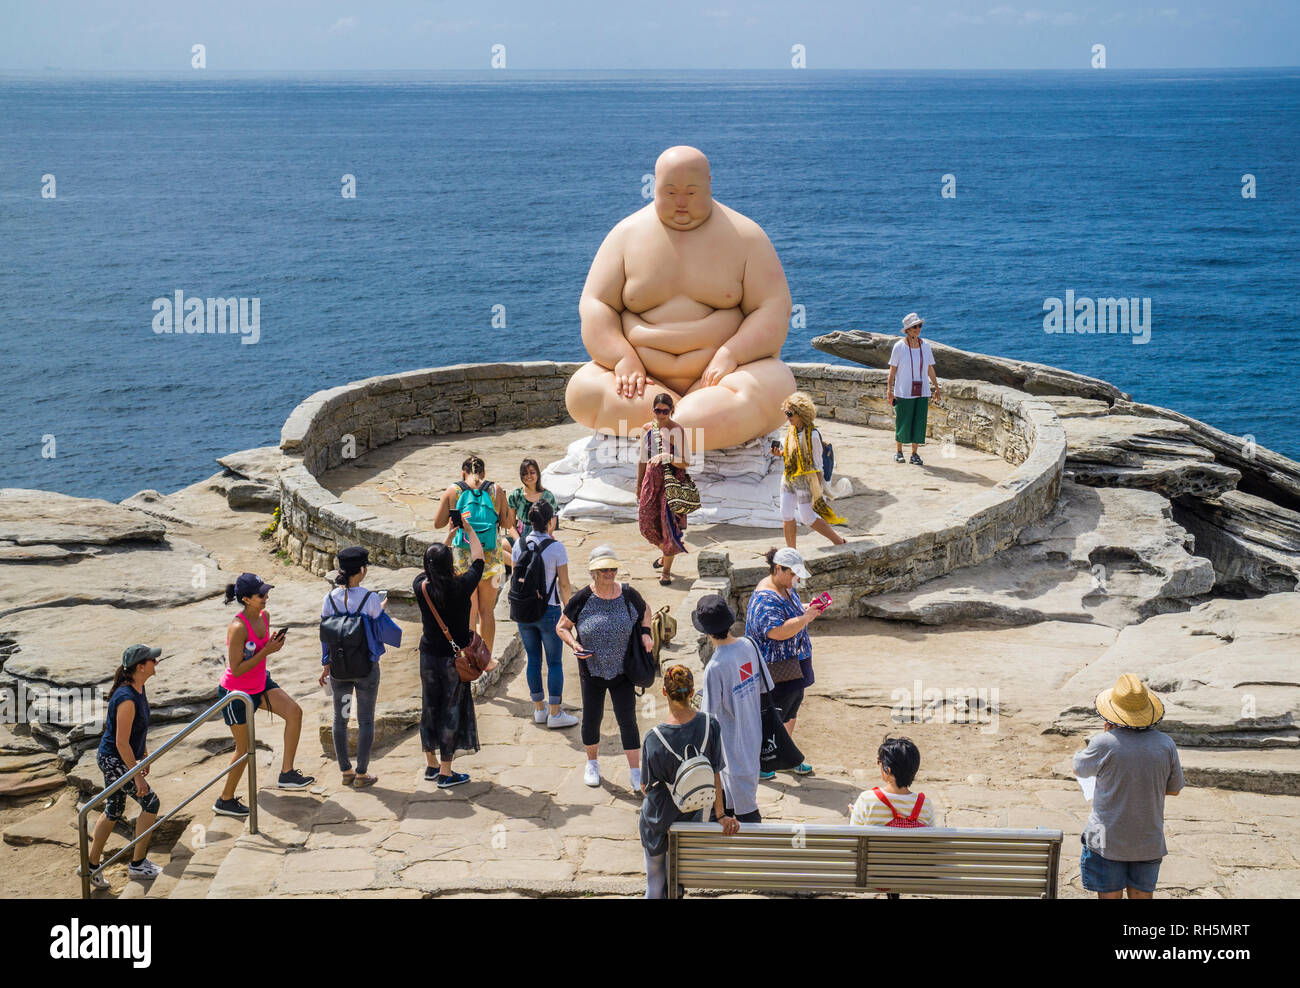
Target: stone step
[
  {"x": 1271, "y": 771},
  {"x": 207, "y": 850},
  {"x": 173, "y": 867}
]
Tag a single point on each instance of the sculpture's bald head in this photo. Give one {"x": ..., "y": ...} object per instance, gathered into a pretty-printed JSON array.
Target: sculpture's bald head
[{"x": 683, "y": 188}]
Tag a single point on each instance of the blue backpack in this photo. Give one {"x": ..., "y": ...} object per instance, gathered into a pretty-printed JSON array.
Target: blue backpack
[
  {"x": 828, "y": 457},
  {"x": 480, "y": 511}
]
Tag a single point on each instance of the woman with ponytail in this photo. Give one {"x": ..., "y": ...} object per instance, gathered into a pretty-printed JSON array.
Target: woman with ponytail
[
  {"x": 249, "y": 643},
  {"x": 480, "y": 502},
  {"x": 121, "y": 747},
  {"x": 447, "y": 723}
]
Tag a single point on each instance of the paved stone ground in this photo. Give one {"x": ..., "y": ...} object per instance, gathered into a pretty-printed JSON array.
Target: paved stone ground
[
  {"x": 404, "y": 480},
  {"x": 527, "y": 825}
]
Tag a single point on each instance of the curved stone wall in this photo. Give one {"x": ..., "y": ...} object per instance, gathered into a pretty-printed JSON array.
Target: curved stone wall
[
  {"x": 345, "y": 422},
  {"x": 1022, "y": 430}
]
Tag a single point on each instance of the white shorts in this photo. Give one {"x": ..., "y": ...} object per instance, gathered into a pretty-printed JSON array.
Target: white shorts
[{"x": 792, "y": 510}]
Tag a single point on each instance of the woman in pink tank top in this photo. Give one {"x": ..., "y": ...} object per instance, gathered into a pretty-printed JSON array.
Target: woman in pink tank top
[{"x": 249, "y": 643}]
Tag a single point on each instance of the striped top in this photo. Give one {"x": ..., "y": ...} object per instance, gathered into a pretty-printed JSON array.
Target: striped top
[{"x": 869, "y": 811}]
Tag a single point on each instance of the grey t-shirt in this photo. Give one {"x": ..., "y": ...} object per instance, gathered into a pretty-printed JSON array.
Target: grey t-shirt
[
  {"x": 733, "y": 681},
  {"x": 659, "y": 769},
  {"x": 1134, "y": 770}
]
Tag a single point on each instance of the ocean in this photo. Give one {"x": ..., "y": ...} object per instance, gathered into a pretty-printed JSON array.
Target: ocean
[{"x": 481, "y": 199}]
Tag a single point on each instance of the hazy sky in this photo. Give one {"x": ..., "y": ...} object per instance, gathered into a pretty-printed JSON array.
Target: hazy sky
[{"x": 324, "y": 35}]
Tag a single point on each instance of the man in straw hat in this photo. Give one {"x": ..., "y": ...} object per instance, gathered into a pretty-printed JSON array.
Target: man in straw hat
[{"x": 1135, "y": 768}]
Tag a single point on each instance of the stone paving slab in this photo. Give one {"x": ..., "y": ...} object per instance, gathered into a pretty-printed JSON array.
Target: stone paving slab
[{"x": 526, "y": 825}]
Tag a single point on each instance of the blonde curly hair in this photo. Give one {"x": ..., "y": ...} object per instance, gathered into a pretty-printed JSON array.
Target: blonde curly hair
[{"x": 802, "y": 405}]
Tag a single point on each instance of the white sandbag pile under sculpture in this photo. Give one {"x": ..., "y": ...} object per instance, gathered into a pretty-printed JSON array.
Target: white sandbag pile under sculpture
[{"x": 739, "y": 485}]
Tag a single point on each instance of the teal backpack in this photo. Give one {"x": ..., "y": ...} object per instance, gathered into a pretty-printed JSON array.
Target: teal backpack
[{"x": 477, "y": 506}]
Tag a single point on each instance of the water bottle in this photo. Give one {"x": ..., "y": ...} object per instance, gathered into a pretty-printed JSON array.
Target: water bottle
[{"x": 327, "y": 687}]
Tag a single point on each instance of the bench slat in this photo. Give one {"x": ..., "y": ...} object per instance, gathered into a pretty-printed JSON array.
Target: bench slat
[
  {"x": 876, "y": 870},
  {"x": 926, "y": 860},
  {"x": 763, "y": 865}
]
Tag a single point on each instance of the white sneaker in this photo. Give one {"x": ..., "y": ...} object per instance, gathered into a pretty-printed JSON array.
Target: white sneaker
[
  {"x": 591, "y": 775},
  {"x": 539, "y": 716},
  {"x": 145, "y": 870},
  {"x": 562, "y": 719},
  {"x": 97, "y": 879},
  {"x": 635, "y": 775}
]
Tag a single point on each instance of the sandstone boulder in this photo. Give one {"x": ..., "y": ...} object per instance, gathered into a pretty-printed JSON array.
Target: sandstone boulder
[
  {"x": 29, "y": 517},
  {"x": 1227, "y": 671},
  {"x": 1146, "y": 453},
  {"x": 1253, "y": 544},
  {"x": 873, "y": 350},
  {"x": 157, "y": 573},
  {"x": 1107, "y": 556}
]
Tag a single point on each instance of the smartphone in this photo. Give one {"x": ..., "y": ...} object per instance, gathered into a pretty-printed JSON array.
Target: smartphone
[
  {"x": 456, "y": 518},
  {"x": 776, "y": 446},
  {"x": 281, "y": 633}
]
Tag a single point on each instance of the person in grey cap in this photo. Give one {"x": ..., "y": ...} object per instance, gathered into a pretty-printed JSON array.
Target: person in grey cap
[
  {"x": 733, "y": 681},
  {"x": 910, "y": 386},
  {"x": 121, "y": 747},
  {"x": 778, "y": 622}
]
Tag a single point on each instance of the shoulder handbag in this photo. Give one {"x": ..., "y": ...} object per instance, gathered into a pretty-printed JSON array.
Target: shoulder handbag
[
  {"x": 682, "y": 495},
  {"x": 778, "y": 751},
  {"x": 782, "y": 670},
  {"x": 640, "y": 664},
  {"x": 917, "y": 375},
  {"x": 470, "y": 660}
]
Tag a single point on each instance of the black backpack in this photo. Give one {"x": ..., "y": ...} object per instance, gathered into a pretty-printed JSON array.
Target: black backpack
[
  {"x": 529, "y": 595},
  {"x": 344, "y": 636}
]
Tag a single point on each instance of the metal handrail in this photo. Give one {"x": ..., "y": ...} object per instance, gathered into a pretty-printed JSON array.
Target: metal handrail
[{"x": 248, "y": 756}]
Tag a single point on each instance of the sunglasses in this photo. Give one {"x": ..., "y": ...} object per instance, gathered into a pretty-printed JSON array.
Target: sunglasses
[
  {"x": 789, "y": 415},
  {"x": 662, "y": 411}
]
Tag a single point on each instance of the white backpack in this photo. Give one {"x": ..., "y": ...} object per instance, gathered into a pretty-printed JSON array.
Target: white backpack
[{"x": 692, "y": 789}]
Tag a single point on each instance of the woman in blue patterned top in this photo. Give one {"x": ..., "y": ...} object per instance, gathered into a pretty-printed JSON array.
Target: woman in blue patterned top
[{"x": 777, "y": 620}]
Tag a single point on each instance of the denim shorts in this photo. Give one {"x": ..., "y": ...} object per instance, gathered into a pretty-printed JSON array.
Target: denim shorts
[{"x": 1104, "y": 875}]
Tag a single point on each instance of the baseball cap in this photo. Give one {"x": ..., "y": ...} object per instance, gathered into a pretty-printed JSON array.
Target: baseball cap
[
  {"x": 791, "y": 559},
  {"x": 135, "y": 654},
  {"x": 249, "y": 584}
]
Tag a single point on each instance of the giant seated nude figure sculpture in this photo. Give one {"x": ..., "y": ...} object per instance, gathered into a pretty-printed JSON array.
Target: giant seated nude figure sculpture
[{"x": 687, "y": 296}]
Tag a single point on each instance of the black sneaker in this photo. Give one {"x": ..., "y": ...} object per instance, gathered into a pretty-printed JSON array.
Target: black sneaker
[
  {"x": 898, "y": 457},
  {"x": 431, "y": 773},
  {"x": 293, "y": 779},
  {"x": 455, "y": 779},
  {"x": 230, "y": 807},
  {"x": 916, "y": 460}
]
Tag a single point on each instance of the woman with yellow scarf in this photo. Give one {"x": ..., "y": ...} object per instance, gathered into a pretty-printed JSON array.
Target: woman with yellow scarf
[{"x": 804, "y": 498}]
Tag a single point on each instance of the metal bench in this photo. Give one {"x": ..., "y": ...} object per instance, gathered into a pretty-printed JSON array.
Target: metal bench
[{"x": 785, "y": 857}]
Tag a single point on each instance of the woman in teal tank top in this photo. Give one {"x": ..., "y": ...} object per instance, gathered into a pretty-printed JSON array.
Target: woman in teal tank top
[{"x": 483, "y": 504}]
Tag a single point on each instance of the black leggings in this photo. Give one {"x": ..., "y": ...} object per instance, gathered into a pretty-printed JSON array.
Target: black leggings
[{"x": 623, "y": 695}]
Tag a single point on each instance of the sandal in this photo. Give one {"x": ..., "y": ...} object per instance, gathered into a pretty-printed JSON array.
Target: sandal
[
  {"x": 365, "y": 780},
  {"x": 665, "y": 581},
  {"x": 658, "y": 563}
]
